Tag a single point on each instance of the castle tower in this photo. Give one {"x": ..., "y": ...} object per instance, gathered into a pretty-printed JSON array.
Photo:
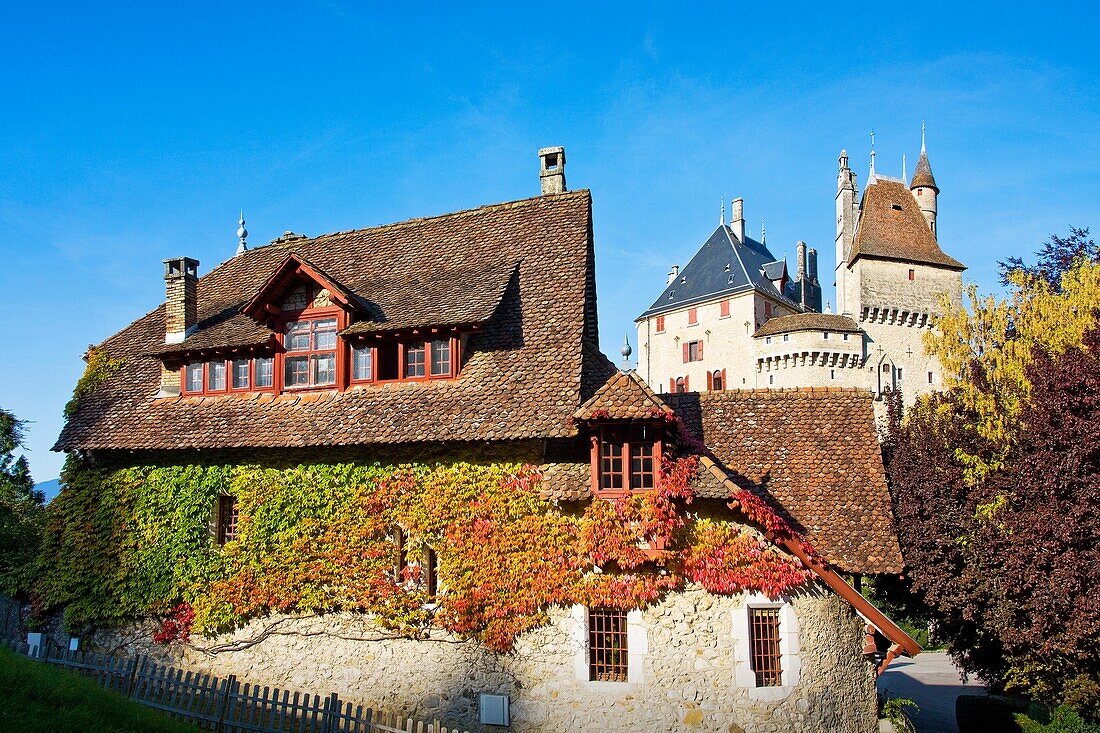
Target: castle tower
[
  {"x": 924, "y": 186},
  {"x": 847, "y": 211}
]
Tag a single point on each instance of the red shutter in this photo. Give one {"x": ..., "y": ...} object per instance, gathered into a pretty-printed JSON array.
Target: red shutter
[
  {"x": 672, "y": 385},
  {"x": 686, "y": 387},
  {"x": 693, "y": 316},
  {"x": 710, "y": 383},
  {"x": 686, "y": 354},
  {"x": 660, "y": 324},
  {"x": 725, "y": 308},
  {"x": 700, "y": 351},
  {"x": 725, "y": 384}
]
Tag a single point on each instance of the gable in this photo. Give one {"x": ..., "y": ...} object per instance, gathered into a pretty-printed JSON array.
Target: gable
[{"x": 891, "y": 226}]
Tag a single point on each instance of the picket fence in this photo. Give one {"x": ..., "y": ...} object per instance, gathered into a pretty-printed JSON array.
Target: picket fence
[{"x": 225, "y": 704}]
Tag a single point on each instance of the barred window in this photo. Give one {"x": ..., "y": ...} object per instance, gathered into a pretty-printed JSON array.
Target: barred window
[
  {"x": 764, "y": 643},
  {"x": 227, "y": 519},
  {"x": 607, "y": 651}
]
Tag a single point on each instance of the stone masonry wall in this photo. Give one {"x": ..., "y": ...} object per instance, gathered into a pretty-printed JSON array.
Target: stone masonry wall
[{"x": 686, "y": 682}]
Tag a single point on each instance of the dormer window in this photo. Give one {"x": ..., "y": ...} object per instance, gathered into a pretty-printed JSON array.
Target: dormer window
[
  {"x": 625, "y": 459},
  {"x": 310, "y": 360}
]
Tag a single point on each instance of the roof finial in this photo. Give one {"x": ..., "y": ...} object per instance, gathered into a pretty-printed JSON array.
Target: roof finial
[
  {"x": 242, "y": 235},
  {"x": 904, "y": 177},
  {"x": 626, "y": 351},
  {"x": 828, "y": 307},
  {"x": 922, "y": 136},
  {"x": 763, "y": 236},
  {"x": 871, "y": 175},
  {"x": 722, "y": 218}
]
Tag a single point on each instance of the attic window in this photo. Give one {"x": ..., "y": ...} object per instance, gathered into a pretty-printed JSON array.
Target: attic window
[
  {"x": 896, "y": 207},
  {"x": 311, "y": 353},
  {"x": 626, "y": 459}
]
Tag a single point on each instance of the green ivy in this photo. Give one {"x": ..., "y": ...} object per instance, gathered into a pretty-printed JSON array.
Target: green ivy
[{"x": 100, "y": 367}]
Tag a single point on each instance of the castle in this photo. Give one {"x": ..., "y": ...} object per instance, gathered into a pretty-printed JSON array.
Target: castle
[{"x": 733, "y": 318}]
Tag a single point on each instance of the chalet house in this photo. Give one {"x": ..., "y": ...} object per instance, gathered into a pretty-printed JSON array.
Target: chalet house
[{"x": 427, "y": 342}]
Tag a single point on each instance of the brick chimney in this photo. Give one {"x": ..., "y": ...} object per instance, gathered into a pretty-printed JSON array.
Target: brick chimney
[
  {"x": 181, "y": 304},
  {"x": 737, "y": 219},
  {"x": 552, "y": 174}
]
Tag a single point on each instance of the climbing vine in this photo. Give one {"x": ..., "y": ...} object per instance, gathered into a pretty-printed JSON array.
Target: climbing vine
[
  {"x": 136, "y": 541},
  {"x": 98, "y": 369}
]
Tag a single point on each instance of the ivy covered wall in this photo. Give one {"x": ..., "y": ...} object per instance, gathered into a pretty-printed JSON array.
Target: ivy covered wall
[{"x": 130, "y": 536}]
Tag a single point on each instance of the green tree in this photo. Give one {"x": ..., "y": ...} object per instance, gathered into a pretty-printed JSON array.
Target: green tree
[{"x": 21, "y": 508}]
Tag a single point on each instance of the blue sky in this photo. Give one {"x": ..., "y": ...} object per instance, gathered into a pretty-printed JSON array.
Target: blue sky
[{"x": 135, "y": 132}]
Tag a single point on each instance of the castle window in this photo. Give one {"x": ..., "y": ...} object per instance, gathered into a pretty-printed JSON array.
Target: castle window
[
  {"x": 832, "y": 374},
  {"x": 310, "y": 360},
  {"x": 724, "y": 309},
  {"x": 215, "y": 376},
  {"x": 896, "y": 207},
  {"x": 680, "y": 385},
  {"x": 767, "y": 339},
  {"x": 930, "y": 377},
  {"x": 431, "y": 572},
  {"x": 192, "y": 380},
  {"x": 607, "y": 645},
  {"x": 898, "y": 373},
  {"x": 764, "y": 643},
  {"x": 771, "y": 379},
  {"x": 693, "y": 316},
  {"x": 786, "y": 337},
  {"x": 912, "y": 274},
  {"x": 362, "y": 363},
  {"x": 693, "y": 351},
  {"x": 626, "y": 459},
  {"x": 240, "y": 373},
  {"x": 660, "y": 324},
  {"x": 825, "y": 335},
  {"x": 717, "y": 380},
  {"x": 227, "y": 519},
  {"x": 846, "y": 336}
]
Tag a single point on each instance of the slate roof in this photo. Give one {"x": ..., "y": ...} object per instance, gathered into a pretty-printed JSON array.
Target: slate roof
[
  {"x": 808, "y": 322},
  {"x": 814, "y": 454},
  {"x": 892, "y": 227},
  {"x": 722, "y": 266},
  {"x": 625, "y": 396},
  {"x": 527, "y": 266},
  {"x": 922, "y": 176}
]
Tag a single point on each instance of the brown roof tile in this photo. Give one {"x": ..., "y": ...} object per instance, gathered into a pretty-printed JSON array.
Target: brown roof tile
[
  {"x": 892, "y": 227},
  {"x": 808, "y": 322},
  {"x": 624, "y": 396},
  {"x": 814, "y": 454},
  {"x": 922, "y": 176},
  {"x": 530, "y": 368}
]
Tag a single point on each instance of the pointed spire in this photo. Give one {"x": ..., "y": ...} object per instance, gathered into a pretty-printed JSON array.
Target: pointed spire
[
  {"x": 722, "y": 218},
  {"x": 763, "y": 235},
  {"x": 904, "y": 175},
  {"x": 626, "y": 351},
  {"x": 922, "y": 175},
  {"x": 871, "y": 173},
  {"x": 242, "y": 235}
]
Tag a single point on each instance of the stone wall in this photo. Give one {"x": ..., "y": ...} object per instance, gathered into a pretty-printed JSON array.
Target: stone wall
[{"x": 685, "y": 649}]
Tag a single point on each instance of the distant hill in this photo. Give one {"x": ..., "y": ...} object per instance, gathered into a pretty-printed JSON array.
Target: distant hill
[{"x": 49, "y": 488}]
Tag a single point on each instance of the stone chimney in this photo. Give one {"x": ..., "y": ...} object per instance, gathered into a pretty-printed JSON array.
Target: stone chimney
[
  {"x": 181, "y": 304},
  {"x": 811, "y": 265},
  {"x": 552, "y": 174},
  {"x": 673, "y": 273},
  {"x": 800, "y": 254},
  {"x": 737, "y": 219}
]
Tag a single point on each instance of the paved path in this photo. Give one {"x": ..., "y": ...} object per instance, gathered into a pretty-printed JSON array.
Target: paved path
[{"x": 932, "y": 681}]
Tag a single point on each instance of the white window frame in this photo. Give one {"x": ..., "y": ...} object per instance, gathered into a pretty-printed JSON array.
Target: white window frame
[
  {"x": 637, "y": 647},
  {"x": 789, "y": 648}
]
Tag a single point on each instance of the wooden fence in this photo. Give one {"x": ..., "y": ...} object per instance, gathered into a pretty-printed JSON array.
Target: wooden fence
[{"x": 225, "y": 704}]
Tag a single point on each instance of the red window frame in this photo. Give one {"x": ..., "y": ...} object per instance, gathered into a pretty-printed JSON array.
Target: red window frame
[
  {"x": 716, "y": 380},
  {"x": 372, "y": 358},
  {"x": 677, "y": 385},
  {"x": 697, "y": 346},
  {"x": 693, "y": 316},
  {"x": 660, "y": 324},
  {"x": 229, "y": 388},
  {"x": 312, "y": 316},
  {"x": 626, "y": 459}
]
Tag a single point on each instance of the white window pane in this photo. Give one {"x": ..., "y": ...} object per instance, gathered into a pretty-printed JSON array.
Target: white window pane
[
  {"x": 297, "y": 336},
  {"x": 215, "y": 375},
  {"x": 361, "y": 362},
  {"x": 265, "y": 371},
  {"x": 297, "y": 371},
  {"x": 324, "y": 334},
  {"x": 441, "y": 357},
  {"x": 240, "y": 373},
  {"x": 194, "y": 378},
  {"x": 324, "y": 368}
]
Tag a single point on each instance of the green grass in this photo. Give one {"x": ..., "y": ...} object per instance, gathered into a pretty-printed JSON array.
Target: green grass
[{"x": 38, "y": 698}]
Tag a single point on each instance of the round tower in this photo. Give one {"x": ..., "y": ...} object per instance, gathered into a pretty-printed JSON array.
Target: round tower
[{"x": 924, "y": 187}]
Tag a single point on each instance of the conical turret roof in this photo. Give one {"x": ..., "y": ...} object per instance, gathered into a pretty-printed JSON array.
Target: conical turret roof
[{"x": 922, "y": 176}]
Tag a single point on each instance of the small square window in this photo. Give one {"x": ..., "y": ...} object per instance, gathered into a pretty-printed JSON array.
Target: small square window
[
  {"x": 607, "y": 645},
  {"x": 786, "y": 337},
  {"x": 215, "y": 376},
  {"x": 825, "y": 335},
  {"x": 846, "y": 336},
  {"x": 930, "y": 377},
  {"x": 767, "y": 339},
  {"x": 265, "y": 371},
  {"x": 912, "y": 274},
  {"x": 296, "y": 371},
  {"x": 660, "y": 324},
  {"x": 323, "y": 368},
  {"x": 240, "y": 373},
  {"x": 693, "y": 316}
]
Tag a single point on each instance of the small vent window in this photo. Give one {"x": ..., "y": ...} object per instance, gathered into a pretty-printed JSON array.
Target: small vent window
[
  {"x": 227, "y": 519},
  {"x": 896, "y": 207}
]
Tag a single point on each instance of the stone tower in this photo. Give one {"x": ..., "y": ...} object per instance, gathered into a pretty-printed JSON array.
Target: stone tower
[{"x": 847, "y": 213}]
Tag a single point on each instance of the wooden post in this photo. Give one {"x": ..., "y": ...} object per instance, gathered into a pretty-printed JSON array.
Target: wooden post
[
  {"x": 223, "y": 705},
  {"x": 331, "y": 714},
  {"x": 131, "y": 686}
]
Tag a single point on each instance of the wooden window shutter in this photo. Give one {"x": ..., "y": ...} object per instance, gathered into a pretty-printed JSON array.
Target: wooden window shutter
[
  {"x": 725, "y": 384},
  {"x": 672, "y": 385},
  {"x": 725, "y": 308},
  {"x": 710, "y": 382},
  {"x": 660, "y": 323},
  {"x": 687, "y": 354},
  {"x": 686, "y": 387},
  {"x": 700, "y": 351}
]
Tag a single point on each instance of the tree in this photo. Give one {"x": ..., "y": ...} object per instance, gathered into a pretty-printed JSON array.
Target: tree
[
  {"x": 21, "y": 508},
  {"x": 1056, "y": 258}
]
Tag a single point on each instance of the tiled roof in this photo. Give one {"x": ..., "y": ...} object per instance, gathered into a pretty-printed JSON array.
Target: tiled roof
[
  {"x": 528, "y": 262},
  {"x": 808, "y": 322},
  {"x": 723, "y": 265},
  {"x": 922, "y": 176},
  {"x": 814, "y": 454},
  {"x": 891, "y": 226},
  {"x": 624, "y": 396}
]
